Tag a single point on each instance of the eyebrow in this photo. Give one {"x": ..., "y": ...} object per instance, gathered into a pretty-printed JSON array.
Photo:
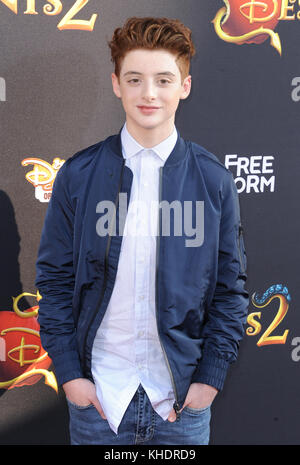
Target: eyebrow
[{"x": 164, "y": 73}]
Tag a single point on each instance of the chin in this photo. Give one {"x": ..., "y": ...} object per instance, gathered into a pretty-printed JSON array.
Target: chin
[{"x": 149, "y": 125}]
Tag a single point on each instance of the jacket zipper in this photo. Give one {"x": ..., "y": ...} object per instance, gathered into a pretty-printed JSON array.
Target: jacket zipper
[
  {"x": 176, "y": 404},
  {"x": 105, "y": 267},
  {"x": 239, "y": 247}
]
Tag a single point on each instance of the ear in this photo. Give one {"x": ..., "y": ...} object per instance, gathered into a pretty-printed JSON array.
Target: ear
[
  {"x": 186, "y": 87},
  {"x": 116, "y": 85}
]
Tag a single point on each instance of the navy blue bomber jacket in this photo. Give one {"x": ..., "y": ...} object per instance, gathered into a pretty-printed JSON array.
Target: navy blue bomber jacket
[{"x": 201, "y": 298}]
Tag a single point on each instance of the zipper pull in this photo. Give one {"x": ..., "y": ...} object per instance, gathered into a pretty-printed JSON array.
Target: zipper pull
[{"x": 176, "y": 407}]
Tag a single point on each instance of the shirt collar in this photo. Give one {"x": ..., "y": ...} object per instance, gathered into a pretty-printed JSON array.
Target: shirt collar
[{"x": 131, "y": 147}]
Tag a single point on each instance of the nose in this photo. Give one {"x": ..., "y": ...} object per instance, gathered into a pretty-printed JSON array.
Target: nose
[{"x": 149, "y": 91}]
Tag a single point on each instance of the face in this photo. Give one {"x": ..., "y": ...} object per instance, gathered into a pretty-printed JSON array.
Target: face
[{"x": 150, "y": 87}]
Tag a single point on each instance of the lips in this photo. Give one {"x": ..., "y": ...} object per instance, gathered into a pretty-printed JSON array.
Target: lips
[{"x": 147, "y": 109}]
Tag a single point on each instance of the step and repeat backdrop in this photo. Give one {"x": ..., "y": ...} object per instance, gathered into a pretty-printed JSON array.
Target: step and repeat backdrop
[{"x": 56, "y": 98}]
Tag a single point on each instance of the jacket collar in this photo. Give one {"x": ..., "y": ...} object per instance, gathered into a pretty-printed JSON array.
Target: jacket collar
[{"x": 177, "y": 155}]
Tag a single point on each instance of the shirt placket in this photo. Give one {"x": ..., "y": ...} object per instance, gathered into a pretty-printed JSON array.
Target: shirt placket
[{"x": 142, "y": 265}]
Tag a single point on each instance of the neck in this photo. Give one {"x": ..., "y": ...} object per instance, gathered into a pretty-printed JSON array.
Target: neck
[{"x": 150, "y": 137}]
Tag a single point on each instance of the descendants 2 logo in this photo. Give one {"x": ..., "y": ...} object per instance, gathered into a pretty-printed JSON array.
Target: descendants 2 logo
[
  {"x": 271, "y": 334},
  {"x": 23, "y": 361},
  {"x": 272, "y": 331},
  {"x": 252, "y": 21},
  {"x": 69, "y": 20}
]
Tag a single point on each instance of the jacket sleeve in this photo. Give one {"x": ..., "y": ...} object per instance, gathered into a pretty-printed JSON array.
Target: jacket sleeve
[
  {"x": 227, "y": 310},
  {"x": 55, "y": 282}
]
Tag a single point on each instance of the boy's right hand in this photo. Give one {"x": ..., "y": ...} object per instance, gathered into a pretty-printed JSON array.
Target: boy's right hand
[{"x": 82, "y": 391}]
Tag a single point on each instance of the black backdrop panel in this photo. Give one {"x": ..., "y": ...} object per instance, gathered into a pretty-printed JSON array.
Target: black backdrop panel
[{"x": 56, "y": 98}]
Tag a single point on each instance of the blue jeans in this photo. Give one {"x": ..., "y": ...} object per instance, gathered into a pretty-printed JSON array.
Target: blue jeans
[{"x": 140, "y": 425}]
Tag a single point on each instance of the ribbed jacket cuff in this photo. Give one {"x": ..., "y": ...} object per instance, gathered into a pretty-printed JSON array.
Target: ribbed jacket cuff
[
  {"x": 66, "y": 366},
  {"x": 212, "y": 371}
]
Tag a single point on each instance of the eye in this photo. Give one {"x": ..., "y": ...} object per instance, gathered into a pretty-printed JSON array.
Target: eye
[
  {"x": 134, "y": 81},
  {"x": 164, "y": 82}
]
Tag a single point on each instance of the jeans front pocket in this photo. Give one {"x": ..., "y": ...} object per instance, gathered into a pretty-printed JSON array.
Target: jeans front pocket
[
  {"x": 196, "y": 411},
  {"x": 79, "y": 407}
]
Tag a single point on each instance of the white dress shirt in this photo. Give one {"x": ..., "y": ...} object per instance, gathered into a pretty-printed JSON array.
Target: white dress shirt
[{"x": 126, "y": 349}]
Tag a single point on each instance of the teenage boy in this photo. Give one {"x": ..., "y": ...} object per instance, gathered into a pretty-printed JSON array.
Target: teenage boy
[{"x": 142, "y": 325}]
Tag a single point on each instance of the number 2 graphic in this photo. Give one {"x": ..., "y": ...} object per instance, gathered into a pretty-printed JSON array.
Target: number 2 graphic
[{"x": 277, "y": 291}]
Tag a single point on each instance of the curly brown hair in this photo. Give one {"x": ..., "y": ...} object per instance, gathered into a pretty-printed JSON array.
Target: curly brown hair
[{"x": 153, "y": 33}]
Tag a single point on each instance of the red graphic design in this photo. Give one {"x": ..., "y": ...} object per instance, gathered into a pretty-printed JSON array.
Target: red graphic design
[
  {"x": 247, "y": 16},
  {"x": 23, "y": 361},
  {"x": 249, "y": 21}
]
